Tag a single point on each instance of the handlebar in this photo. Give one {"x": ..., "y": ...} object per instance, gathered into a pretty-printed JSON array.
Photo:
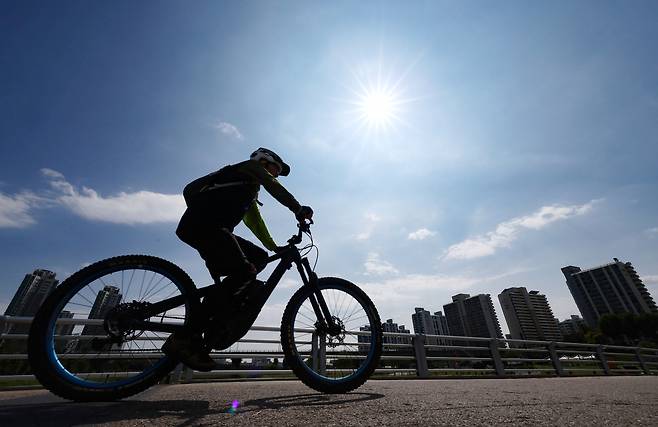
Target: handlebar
[{"x": 303, "y": 227}]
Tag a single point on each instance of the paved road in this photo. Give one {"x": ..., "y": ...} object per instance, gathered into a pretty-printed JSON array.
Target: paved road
[{"x": 547, "y": 401}]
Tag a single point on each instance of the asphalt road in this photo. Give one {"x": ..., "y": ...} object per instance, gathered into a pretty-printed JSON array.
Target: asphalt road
[{"x": 545, "y": 401}]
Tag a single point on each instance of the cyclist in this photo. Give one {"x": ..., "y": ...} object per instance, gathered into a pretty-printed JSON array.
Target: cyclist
[{"x": 216, "y": 203}]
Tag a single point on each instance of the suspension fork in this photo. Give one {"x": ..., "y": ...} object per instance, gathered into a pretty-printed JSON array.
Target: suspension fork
[{"x": 320, "y": 307}]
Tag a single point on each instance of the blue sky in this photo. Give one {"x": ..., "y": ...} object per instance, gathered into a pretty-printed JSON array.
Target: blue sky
[{"x": 519, "y": 137}]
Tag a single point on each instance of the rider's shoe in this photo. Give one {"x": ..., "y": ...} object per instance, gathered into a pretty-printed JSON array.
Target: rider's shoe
[{"x": 188, "y": 349}]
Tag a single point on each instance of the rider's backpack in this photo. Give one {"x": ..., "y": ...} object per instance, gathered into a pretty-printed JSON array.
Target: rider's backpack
[
  {"x": 195, "y": 187},
  {"x": 223, "y": 178}
]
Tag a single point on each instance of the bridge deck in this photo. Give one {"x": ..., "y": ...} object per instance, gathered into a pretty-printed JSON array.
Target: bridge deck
[{"x": 577, "y": 401}]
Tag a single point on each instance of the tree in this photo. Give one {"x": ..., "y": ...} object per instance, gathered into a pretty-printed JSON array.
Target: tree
[{"x": 630, "y": 329}]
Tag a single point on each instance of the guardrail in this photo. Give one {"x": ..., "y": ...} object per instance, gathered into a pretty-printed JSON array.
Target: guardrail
[{"x": 410, "y": 355}]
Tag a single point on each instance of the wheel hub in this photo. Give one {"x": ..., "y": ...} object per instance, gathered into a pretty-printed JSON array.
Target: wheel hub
[
  {"x": 336, "y": 333},
  {"x": 120, "y": 320}
]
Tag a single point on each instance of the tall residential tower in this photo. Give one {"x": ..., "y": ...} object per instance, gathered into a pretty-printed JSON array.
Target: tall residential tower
[
  {"x": 472, "y": 316},
  {"x": 430, "y": 324},
  {"x": 528, "y": 315},
  {"x": 613, "y": 288},
  {"x": 29, "y": 296}
]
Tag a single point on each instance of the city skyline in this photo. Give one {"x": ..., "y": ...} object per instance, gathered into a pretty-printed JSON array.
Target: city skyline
[
  {"x": 445, "y": 148},
  {"x": 423, "y": 321}
]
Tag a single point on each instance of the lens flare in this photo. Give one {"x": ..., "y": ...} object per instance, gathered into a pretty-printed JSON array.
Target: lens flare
[{"x": 234, "y": 407}]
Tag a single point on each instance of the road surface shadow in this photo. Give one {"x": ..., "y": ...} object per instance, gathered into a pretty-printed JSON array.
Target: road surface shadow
[
  {"x": 183, "y": 412},
  {"x": 180, "y": 412},
  {"x": 306, "y": 400}
]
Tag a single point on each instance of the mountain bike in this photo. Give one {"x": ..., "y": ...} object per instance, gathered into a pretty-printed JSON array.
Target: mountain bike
[{"x": 97, "y": 337}]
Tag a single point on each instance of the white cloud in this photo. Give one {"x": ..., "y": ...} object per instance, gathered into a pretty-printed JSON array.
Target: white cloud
[
  {"x": 15, "y": 210},
  {"x": 651, "y": 279},
  {"x": 230, "y": 130},
  {"x": 376, "y": 266},
  {"x": 141, "y": 207},
  {"x": 421, "y": 234},
  {"x": 652, "y": 232},
  {"x": 368, "y": 225},
  {"x": 508, "y": 231},
  {"x": 411, "y": 287}
]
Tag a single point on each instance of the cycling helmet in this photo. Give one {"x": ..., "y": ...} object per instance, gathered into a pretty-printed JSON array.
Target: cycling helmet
[{"x": 272, "y": 157}]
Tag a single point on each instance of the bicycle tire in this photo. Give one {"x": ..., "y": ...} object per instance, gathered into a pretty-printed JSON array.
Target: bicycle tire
[
  {"x": 45, "y": 364},
  {"x": 295, "y": 360}
]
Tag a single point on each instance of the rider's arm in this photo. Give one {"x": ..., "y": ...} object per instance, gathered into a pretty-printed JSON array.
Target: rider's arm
[
  {"x": 270, "y": 183},
  {"x": 254, "y": 221}
]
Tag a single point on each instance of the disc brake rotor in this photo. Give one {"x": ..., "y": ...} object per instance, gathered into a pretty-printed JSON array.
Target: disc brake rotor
[{"x": 336, "y": 336}]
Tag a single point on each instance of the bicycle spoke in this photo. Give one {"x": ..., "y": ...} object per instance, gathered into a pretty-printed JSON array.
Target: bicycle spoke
[
  {"x": 344, "y": 354},
  {"x": 102, "y": 360}
]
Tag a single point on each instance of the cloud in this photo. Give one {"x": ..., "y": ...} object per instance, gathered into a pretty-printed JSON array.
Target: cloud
[
  {"x": 230, "y": 130},
  {"x": 141, "y": 207},
  {"x": 652, "y": 232},
  {"x": 421, "y": 234},
  {"x": 378, "y": 267},
  {"x": 15, "y": 211},
  {"x": 508, "y": 231},
  {"x": 409, "y": 287},
  {"x": 651, "y": 279},
  {"x": 371, "y": 220}
]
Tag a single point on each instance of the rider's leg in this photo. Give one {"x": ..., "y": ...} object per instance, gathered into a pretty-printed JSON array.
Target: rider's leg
[
  {"x": 240, "y": 279},
  {"x": 217, "y": 248}
]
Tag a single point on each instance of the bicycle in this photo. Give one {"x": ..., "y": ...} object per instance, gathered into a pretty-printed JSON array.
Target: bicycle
[{"x": 88, "y": 343}]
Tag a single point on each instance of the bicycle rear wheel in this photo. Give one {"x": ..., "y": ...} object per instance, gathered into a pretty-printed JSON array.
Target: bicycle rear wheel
[
  {"x": 79, "y": 346},
  {"x": 338, "y": 362}
]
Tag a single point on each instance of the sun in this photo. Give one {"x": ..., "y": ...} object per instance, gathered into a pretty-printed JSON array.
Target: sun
[
  {"x": 378, "y": 102},
  {"x": 377, "y": 98},
  {"x": 377, "y": 107}
]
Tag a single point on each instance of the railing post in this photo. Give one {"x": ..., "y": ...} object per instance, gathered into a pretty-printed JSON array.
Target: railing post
[
  {"x": 418, "y": 342},
  {"x": 323, "y": 354},
  {"x": 555, "y": 359},
  {"x": 315, "y": 356},
  {"x": 603, "y": 359},
  {"x": 639, "y": 359},
  {"x": 495, "y": 357}
]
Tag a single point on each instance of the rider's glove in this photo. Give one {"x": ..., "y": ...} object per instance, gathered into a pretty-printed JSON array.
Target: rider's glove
[
  {"x": 280, "y": 249},
  {"x": 304, "y": 212}
]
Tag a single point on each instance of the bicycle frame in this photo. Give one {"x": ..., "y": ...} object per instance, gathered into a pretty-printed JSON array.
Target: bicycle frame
[{"x": 289, "y": 256}]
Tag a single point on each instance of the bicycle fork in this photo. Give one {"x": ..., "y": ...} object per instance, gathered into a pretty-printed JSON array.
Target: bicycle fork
[{"x": 325, "y": 323}]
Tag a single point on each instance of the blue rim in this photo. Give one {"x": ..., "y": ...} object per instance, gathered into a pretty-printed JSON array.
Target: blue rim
[
  {"x": 72, "y": 378},
  {"x": 358, "y": 372}
]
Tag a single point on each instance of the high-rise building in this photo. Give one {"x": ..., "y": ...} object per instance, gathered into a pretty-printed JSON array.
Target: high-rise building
[
  {"x": 572, "y": 326},
  {"x": 528, "y": 315},
  {"x": 472, "y": 316},
  {"x": 613, "y": 288},
  {"x": 31, "y": 293},
  {"x": 388, "y": 326},
  {"x": 430, "y": 324},
  {"x": 106, "y": 299}
]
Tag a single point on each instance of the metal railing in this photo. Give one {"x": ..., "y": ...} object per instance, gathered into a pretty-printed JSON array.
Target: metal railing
[{"x": 406, "y": 355}]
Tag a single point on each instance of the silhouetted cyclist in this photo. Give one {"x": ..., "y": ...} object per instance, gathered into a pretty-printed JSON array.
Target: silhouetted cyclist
[{"x": 216, "y": 203}]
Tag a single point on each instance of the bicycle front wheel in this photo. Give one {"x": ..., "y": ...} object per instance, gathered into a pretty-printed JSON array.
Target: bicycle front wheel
[
  {"x": 335, "y": 362},
  {"x": 81, "y": 346}
]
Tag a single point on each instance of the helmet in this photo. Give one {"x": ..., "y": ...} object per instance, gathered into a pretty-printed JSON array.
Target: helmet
[{"x": 272, "y": 157}]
